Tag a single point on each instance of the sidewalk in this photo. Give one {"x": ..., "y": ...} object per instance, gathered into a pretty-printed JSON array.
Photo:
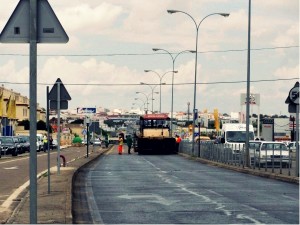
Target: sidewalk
[{"x": 53, "y": 208}]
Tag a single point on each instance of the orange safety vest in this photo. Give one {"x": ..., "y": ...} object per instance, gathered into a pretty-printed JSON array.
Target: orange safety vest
[{"x": 178, "y": 140}]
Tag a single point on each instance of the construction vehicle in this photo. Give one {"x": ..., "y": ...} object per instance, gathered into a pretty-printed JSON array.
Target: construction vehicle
[{"x": 154, "y": 135}]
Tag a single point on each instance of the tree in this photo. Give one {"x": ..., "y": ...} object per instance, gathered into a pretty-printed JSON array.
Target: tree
[
  {"x": 25, "y": 124},
  {"x": 78, "y": 121},
  {"x": 41, "y": 125}
]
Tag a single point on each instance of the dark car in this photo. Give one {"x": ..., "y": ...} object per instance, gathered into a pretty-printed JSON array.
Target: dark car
[
  {"x": 10, "y": 146},
  {"x": 24, "y": 142}
]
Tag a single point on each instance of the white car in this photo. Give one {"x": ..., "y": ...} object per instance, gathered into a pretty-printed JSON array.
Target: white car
[
  {"x": 97, "y": 141},
  {"x": 269, "y": 153},
  {"x": 292, "y": 146}
]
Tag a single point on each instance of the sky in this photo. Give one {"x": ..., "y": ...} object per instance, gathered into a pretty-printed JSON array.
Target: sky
[{"x": 111, "y": 41}]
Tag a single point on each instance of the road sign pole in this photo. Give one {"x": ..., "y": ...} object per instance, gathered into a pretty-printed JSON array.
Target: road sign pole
[
  {"x": 58, "y": 127},
  {"x": 87, "y": 140},
  {"x": 48, "y": 135},
  {"x": 297, "y": 140},
  {"x": 33, "y": 117}
]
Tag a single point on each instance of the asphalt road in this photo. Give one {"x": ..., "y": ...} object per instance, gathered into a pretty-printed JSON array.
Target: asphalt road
[
  {"x": 170, "y": 189},
  {"x": 14, "y": 171}
]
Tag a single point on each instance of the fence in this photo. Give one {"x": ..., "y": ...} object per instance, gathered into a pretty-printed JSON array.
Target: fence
[{"x": 235, "y": 155}]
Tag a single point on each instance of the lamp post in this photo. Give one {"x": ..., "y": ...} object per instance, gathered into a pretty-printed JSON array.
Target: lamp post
[
  {"x": 152, "y": 91},
  {"x": 134, "y": 103},
  {"x": 173, "y": 62},
  {"x": 196, "y": 51},
  {"x": 144, "y": 103},
  {"x": 147, "y": 99},
  {"x": 160, "y": 83}
]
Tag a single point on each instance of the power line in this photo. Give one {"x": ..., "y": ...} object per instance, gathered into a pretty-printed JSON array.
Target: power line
[
  {"x": 149, "y": 54},
  {"x": 138, "y": 84}
]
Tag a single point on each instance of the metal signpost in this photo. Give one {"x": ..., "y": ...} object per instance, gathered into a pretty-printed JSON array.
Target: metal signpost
[
  {"x": 33, "y": 21},
  {"x": 87, "y": 121},
  {"x": 293, "y": 101},
  {"x": 48, "y": 139},
  {"x": 59, "y": 98}
]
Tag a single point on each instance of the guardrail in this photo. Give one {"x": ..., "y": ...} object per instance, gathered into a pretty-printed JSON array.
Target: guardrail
[{"x": 235, "y": 155}]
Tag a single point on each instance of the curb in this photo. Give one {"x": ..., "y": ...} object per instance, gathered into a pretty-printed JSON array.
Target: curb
[
  {"x": 68, "y": 189},
  {"x": 69, "y": 216}
]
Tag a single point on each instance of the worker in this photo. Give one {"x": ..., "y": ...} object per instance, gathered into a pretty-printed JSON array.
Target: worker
[
  {"x": 120, "y": 147},
  {"x": 178, "y": 140},
  {"x": 45, "y": 143},
  {"x": 129, "y": 142}
]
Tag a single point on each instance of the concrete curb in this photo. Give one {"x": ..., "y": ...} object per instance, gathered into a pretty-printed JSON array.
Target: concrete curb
[
  {"x": 67, "y": 192},
  {"x": 69, "y": 216}
]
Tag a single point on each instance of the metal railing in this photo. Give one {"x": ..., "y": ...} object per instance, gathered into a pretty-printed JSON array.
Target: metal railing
[{"x": 235, "y": 155}]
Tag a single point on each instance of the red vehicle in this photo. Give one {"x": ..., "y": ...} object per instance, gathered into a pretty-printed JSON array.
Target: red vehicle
[{"x": 154, "y": 136}]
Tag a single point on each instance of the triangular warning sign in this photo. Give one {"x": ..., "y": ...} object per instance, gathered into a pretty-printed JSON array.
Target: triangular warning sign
[
  {"x": 64, "y": 94},
  {"x": 49, "y": 29}
]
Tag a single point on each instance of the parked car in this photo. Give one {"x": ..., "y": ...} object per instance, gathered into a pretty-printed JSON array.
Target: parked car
[
  {"x": 97, "y": 141},
  {"x": 24, "y": 142},
  {"x": 10, "y": 146},
  {"x": 84, "y": 141},
  {"x": 269, "y": 152},
  {"x": 292, "y": 146},
  {"x": 202, "y": 139}
]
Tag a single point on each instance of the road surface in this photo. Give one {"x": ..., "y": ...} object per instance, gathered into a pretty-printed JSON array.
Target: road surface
[{"x": 170, "y": 189}]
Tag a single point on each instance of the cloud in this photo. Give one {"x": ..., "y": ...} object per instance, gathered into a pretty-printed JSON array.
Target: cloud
[
  {"x": 88, "y": 18},
  {"x": 287, "y": 72}
]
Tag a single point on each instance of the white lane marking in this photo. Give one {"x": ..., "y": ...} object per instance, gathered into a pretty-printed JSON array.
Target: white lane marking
[
  {"x": 6, "y": 204},
  {"x": 289, "y": 197},
  {"x": 242, "y": 216},
  {"x": 206, "y": 199},
  {"x": 26, "y": 157},
  {"x": 11, "y": 168},
  {"x": 21, "y": 158},
  {"x": 151, "y": 198},
  {"x": 215, "y": 193}
]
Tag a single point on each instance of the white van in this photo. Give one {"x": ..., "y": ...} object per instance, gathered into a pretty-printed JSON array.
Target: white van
[
  {"x": 39, "y": 143},
  {"x": 234, "y": 135}
]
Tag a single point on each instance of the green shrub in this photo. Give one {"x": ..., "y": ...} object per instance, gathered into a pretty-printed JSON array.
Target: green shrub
[{"x": 77, "y": 140}]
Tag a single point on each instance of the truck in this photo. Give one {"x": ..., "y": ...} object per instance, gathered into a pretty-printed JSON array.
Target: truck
[
  {"x": 154, "y": 135},
  {"x": 233, "y": 135}
]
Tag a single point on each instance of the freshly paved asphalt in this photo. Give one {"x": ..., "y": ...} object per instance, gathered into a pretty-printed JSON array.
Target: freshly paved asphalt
[{"x": 56, "y": 207}]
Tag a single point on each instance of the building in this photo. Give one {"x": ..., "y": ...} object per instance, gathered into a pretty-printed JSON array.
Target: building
[{"x": 13, "y": 108}]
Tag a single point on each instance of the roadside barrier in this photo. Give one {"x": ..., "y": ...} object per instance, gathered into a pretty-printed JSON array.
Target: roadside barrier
[{"x": 236, "y": 155}]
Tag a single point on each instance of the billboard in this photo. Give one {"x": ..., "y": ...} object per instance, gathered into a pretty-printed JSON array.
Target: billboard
[
  {"x": 254, "y": 99},
  {"x": 85, "y": 110}
]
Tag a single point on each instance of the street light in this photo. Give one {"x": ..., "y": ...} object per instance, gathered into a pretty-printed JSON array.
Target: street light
[
  {"x": 142, "y": 101},
  {"x": 152, "y": 91},
  {"x": 196, "y": 51},
  {"x": 138, "y": 92},
  {"x": 173, "y": 62},
  {"x": 160, "y": 83},
  {"x": 134, "y": 103}
]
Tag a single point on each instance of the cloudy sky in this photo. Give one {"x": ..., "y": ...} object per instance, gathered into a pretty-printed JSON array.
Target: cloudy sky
[{"x": 110, "y": 46}]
